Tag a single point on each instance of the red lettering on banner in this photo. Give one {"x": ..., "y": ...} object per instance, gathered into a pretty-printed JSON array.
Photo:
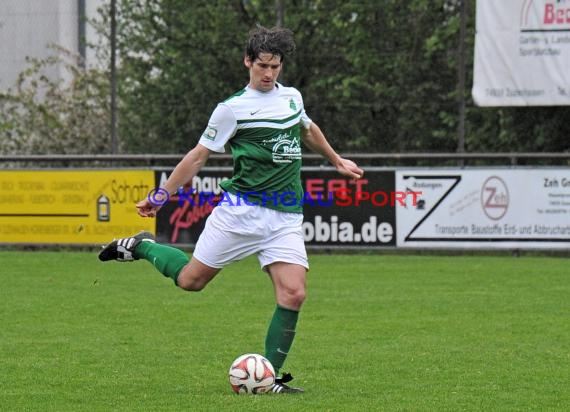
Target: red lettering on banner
[
  {"x": 548, "y": 14},
  {"x": 185, "y": 216},
  {"x": 359, "y": 184},
  {"x": 334, "y": 184},
  {"x": 556, "y": 16},
  {"x": 314, "y": 187}
]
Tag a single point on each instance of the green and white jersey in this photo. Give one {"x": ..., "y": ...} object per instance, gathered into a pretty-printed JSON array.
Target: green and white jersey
[{"x": 263, "y": 130}]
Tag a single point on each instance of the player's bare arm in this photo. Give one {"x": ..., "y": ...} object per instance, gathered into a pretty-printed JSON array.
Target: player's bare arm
[
  {"x": 317, "y": 142},
  {"x": 183, "y": 173}
]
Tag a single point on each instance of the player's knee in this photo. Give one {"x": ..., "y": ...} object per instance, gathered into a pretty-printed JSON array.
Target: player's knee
[
  {"x": 190, "y": 284},
  {"x": 299, "y": 297},
  {"x": 293, "y": 298}
]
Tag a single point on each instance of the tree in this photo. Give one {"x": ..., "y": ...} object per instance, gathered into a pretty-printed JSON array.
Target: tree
[
  {"x": 176, "y": 63},
  {"x": 46, "y": 116},
  {"x": 377, "y": 76}
]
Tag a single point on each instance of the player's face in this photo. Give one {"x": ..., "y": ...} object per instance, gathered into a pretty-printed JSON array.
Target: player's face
[{"x": 263, "y": 71}]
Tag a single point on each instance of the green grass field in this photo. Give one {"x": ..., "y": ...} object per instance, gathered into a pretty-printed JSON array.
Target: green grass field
[{"x": 377, "y": 333}]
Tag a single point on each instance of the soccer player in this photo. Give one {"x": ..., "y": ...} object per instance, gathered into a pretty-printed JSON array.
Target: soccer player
[{"x": 263, "y": 124}]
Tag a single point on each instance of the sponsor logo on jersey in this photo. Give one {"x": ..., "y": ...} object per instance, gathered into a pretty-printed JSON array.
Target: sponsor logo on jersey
[{"x": 286, "y": 149}]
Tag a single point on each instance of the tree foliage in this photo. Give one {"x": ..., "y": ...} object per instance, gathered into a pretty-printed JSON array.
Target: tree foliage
[
  {"x": 366, "y": 69},
  {"x": 45, "y": 116},
  {"x": 377, "y": 76}
]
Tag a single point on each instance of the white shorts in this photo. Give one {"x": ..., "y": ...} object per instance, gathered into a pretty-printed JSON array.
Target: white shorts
[{"x": 235, "y": 232}]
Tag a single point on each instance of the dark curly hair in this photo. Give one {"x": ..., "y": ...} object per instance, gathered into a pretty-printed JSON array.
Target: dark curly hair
[{"x": 278, "y": 41}]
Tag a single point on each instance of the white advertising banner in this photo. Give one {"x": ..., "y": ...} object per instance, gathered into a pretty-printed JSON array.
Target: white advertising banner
[
  {"x": 522, "y": 53},
  {"x": 491, "y": 208}
]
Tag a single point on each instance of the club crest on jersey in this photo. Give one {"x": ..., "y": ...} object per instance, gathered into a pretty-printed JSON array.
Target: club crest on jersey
[
  {"x": 210, "y": 133},
  {"x": 292, "y": 104}
]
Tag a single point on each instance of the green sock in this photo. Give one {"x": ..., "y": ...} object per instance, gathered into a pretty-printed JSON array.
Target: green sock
[
  {"x": 168, "y": 260},
  {"x": 280, "y": 336}
]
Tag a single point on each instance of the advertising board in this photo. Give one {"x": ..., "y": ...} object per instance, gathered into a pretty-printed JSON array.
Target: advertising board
[
  {"x": 488, "y": 208},
  {"x": 71, "y": 206}
]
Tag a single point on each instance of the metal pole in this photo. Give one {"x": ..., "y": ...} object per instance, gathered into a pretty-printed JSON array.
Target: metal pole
[
  {"x": 280, "y": 12},
  {"x": 81, "y": 36},
  {"x": 461, "y": 77},
  {"x": 113, "y": 69}
]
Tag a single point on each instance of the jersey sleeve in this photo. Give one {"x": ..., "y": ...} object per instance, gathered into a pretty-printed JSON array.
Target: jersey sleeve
[
  {"x": 305, "y": 119},
  {"x": 221, "y": 127}
]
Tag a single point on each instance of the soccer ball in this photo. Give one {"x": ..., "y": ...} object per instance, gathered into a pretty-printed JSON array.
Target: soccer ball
[{"x": 251, "y": 373}]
